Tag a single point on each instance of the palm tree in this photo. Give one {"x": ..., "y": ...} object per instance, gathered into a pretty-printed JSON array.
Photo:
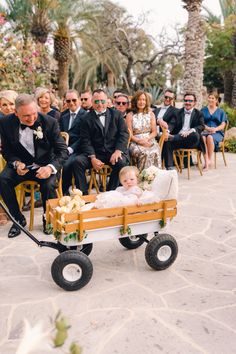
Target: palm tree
[
  {"x": 228, "y": 11},
  {"x": 194, "y": 50}
]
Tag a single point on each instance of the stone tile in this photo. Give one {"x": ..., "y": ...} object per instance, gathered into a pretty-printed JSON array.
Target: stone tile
[
  {"x": 40, "y": 312},
  {"x": 24, "y": 289},
  {"x": 203, "y": 248},
  {"x": 146, "y": 334},
  {"x": 210, "y": 335},
  {"x": 4, "y": 319},
  {"x": 136, "y": 295},
  {"x": 220, "y": 230},
  {"x": 209, "y": 275},
  {"x": 194, "y": 299},
  {"x": 225, "y": 315},
  {"x": 12, "y": 266}
]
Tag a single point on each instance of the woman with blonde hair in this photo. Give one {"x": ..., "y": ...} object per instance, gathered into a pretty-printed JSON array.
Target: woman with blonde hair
[
  {"x": 45, "y": 100},
  {"x": 144, "y": 149},
  {"x": 7, "y": 102}
]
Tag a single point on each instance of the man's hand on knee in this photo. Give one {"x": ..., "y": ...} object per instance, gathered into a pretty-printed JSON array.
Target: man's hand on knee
[
  {"x": 44, "y": 172},
  {"x": 115, "y": 157},
  {"x": 21, "y": 168}
]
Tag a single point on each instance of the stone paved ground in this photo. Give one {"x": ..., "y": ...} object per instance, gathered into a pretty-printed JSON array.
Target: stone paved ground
[{"x": 127, "y": 307}]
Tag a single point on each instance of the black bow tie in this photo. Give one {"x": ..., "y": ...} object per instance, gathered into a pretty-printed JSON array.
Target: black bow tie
[
  {"x": 23, "y": 126},
  {"x": 187, "y": 112},
  {"x": 101, "y": 114}
]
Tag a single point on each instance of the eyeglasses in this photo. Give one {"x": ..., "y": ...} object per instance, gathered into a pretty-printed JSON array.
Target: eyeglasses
[
  {"x": 168, "y": 98},
  {"x": 98, "y": 101},
  {"x": 84, "y": 99},
  {"x": 115, "y": 96},
  {"x": 121, "y": 103},
  {"x": 189, "y": 101},
  {"x": 73, "y": 100}
]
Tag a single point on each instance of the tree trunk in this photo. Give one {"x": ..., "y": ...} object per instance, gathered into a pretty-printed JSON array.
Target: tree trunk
[
  {"x": 63, "y": 77},
  {"x": 233, "y": 101},
  {"x": 110, "y": 79},
  {"x": 194, "y": 51},
  {"x": 228, "y": 86}
]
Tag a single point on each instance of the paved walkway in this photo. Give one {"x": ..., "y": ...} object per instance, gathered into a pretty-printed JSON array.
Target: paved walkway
[{"x": 128, "y": 308}]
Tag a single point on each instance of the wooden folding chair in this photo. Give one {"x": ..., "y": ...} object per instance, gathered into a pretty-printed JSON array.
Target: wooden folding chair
[{"x": 222, "y": 144}]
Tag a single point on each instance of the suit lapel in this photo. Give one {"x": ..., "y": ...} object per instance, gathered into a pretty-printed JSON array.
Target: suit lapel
[
  {"x": 192, "y": 117},
  {"x": 182, "y": 117},
  {"x": 107, "y": 120}
]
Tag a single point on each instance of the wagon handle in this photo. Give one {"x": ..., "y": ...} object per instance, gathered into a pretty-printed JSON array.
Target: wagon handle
[{"x": 39, "y": 243}]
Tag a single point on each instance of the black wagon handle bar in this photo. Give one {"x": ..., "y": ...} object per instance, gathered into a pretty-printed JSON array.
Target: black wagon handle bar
[{"x": 28, "y": 233}]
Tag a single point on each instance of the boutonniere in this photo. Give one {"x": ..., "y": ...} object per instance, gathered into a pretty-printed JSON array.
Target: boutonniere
[{"x": 39, "y": 133}]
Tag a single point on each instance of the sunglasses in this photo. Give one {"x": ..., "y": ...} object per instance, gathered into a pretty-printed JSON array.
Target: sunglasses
[
  {"x": 73, "y": 100},
  {"x": 121, "y": 103},
  {"x": 84, "y": 99},
  {"x": 98, "y": 101},
  {"x": 189, "y": 101},
  {"x": 168, "y": 98}
]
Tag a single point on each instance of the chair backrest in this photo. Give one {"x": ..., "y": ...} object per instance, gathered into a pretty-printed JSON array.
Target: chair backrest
[
  {"x": 66, "y": 137},
  {"x": 225, "y": 130},
  {"x": 162, "y": 138}
]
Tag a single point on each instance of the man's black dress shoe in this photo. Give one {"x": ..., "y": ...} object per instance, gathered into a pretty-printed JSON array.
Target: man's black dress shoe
[
  {"x": 46, "y": 230},
  {"x": 15, "y": 230}
]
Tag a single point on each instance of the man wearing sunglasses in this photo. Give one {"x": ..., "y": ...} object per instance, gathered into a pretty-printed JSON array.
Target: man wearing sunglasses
[
  {"x": 70, "y": 123},
  {"x": 166, "y": 114},
  {"x": 86, "y": 100},
  {"x": 121, "y": 103},
  {"x": 104, "y": 140},
  {"x": 187, "y": 131}
]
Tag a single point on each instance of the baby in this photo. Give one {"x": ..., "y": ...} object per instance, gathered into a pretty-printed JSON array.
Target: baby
[{"x": 130, "y": 193}]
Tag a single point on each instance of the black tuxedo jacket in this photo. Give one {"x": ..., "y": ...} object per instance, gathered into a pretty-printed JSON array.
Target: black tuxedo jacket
[
  {"x": 169, "y": 117},
  {"x": 96, "y": 139},
  {"x": 51, "y": 149},
  {"x": 74, "y": 131},
  {"x": 196, "y": 121}
]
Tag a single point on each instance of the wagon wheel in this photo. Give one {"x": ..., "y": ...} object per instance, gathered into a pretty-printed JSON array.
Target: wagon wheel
[
  {"x": 133, "y": 242},
  {"x": 161, "y": 251},
  {"x": 86, "y": 248},
  {"x": 71, "y": 270}
]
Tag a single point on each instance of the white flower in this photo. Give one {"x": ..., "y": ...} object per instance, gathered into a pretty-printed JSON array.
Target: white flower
[{"x": 38, "y": 133}]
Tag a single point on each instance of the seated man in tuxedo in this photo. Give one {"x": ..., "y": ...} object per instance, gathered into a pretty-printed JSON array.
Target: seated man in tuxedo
[
  {"x": 70, "y": 123},
  {"x": 187, "y": 130},
  {"x": 166, "y": 114},
  {"x": 34, "y": 150},
  {"x": 86, "y": 100},
  {"x": 104, "y": 139}
]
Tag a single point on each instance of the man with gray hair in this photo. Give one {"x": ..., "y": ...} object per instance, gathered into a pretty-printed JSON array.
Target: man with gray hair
[{"x": 34, "y": 150}]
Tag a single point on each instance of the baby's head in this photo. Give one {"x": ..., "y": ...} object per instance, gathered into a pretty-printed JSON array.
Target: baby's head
[{"x": 129, "y": 176}]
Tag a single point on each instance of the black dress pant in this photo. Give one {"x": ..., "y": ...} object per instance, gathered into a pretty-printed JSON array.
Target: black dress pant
[
  {"x": 82, "y": 163},
  {"x": 9, "y": 179},
  {"x": 67, "y": 174},
  {"x": 189, "y": 142}
]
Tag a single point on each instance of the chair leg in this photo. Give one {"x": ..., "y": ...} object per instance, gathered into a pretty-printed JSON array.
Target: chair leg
[
  {"x": 223, "y": 153},
  {"x": 189, "y": 156},
  {"x": 175, "y": 162},
  {"x": 31, "y": 225},
  {"x": 199, "y": 164}
]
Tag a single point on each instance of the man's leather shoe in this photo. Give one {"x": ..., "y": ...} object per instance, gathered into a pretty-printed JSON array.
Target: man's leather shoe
[
  {"x": 15, "y": 230},
  {"x": 46, "y": 230}
]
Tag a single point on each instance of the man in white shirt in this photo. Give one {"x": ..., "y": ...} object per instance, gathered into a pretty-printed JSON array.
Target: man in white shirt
[
  {"x": 187, "y": 131},
  {"x": 34, "y": 150}
]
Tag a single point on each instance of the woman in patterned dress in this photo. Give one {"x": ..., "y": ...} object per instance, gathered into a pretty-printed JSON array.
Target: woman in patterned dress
[{"x": 144, "y": 149}]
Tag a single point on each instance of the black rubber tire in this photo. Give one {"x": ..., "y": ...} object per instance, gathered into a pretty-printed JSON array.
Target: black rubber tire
[
  {"x": 77, "y": 260},
  {"x": 86, "y": 248},
  {"x": 153, "y": 248},
  {"x": 130, "y": 244}
]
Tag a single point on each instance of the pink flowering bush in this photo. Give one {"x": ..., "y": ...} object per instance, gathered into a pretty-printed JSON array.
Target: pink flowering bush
[{"x": 23, "y": 66}]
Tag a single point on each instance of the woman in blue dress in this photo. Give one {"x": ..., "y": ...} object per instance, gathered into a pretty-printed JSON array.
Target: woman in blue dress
[{"x": 215, "y": 120}]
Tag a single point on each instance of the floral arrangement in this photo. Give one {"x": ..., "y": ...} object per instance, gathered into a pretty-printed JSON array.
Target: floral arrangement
[
  {"x": 39, "y": 133},
  {"x": 147, "y": 176},
  {"x": 70, "y": 204}
]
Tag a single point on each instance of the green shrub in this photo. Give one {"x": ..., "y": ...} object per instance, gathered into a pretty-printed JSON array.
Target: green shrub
[
  {"x": 230, "y": 145},
  {"x": 231, "y": 114}
]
